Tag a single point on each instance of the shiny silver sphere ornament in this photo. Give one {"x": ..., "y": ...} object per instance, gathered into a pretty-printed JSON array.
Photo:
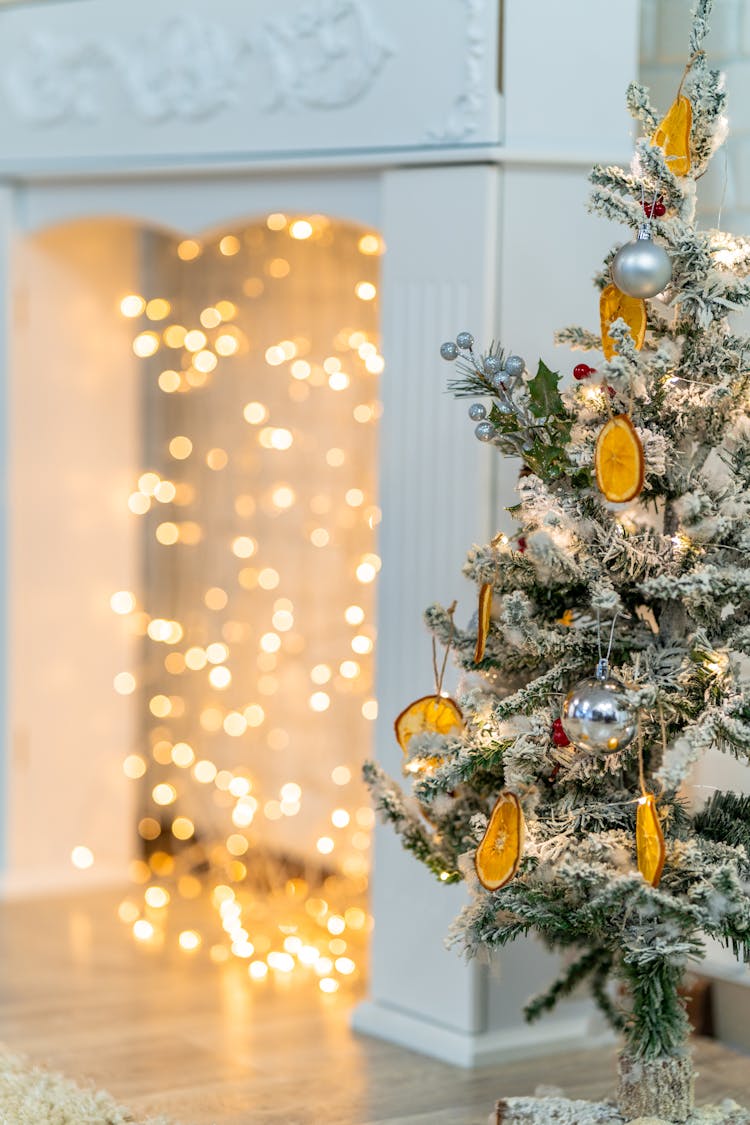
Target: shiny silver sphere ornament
[
  {"x": 514, "y": 365},
  {"x": 597, "y": 716},
  {"x": 465, "y": 341},
  {"x": 448, "y": 350},
  {"x": 485, "y": 431},
  {"x": 641, "y": 268},
  {"x": 477, "y": 412},
  {"x": 498, "y": 380},
  {"x": 492, "y": 365}
]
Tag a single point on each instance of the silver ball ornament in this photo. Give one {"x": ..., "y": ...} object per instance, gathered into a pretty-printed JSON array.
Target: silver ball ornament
[
  {"x": 485, "y": 431},
  {"x": 465, "y": 341},
  {"x": 477, "y": 412},
  {"x": 598, "y": 717},
  {"x": 641, "y": 268},
  {"x": 498, "y": 380},
  {"x": 448, "y": 350},
  {"x": 492, "y": 365},
  {"x": 514, "y": 365}
]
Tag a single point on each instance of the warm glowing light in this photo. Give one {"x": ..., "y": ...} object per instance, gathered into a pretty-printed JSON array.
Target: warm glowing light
[
  {"x": 195, "y": 659},
  {"x": 215, "y": 598},
  {"x": 276, "y": 221},
  {"x": 335, "y": 458},
  {"x": 319, "y": 701},
  {"x": 349, "y": 669},
  {"x": 180, "y": 447},
  {"x": 268, "y": 578},
  {"x": 182, "y": 828},
  {"x": 183, "y": 754},
  {"x": 370, "y": 244},
  {"x": 237, "y": 844},
  {"x": 164, "y": 794},
  {"x": 354, "y": 615},
  {"x": 319, "y": 537},
  {"x": 142, "y": 930},
  {"x": 156, "y": 897},
  {"x": 127, "y": 912},
  {"x": 167, "y": 533},
  {"x": 365, "y": 290},
  {"x": 340, "y": 818},
  {"x": 235, "y": 724},
  {"x": 300, "y": 369},
  {"x": 165, "y": 492},
  {"x": 301, "y": 229},
  {"x": 158, "y": 309},
  {"x": 194, "y": 340},
  {"x": 146, "y": 344},
  {"x": 226, "y": 344},
  {"x": 345, "y": 965},
  {"x": 282, "y": 962},
  {"x": 122, "y": 602},
  {"x": 132, "y": 305},
  {"x": 230, "y": 245},
  {"x": 138, "y": 503},
  {"x": 254, "y": 715},
  {"x": 255, "y": 413},
  {"x": 189, "y": 940},
  {"x": 328, "y": 984},
  {"x": 270, "y": 642},
  {"x": 338, "y": 382},
  {"x": 274, "y": 356},
  {"x": 220, "y": 677},
  {"x": 204, "y": 771},
  {"x": 174, "y": 335},
  {"x": 366, "y": 572},
  {"x": 275, "y": 438},
  {"x": 188, "y": 249},
  {"x": 361, "y": 644},
  {"x": 134, "y": 766},
  {"x": 325, "y": 845},
  {"x": 216, "y": 653},
  {"x": 278, "y": 268},
  {"x": 149, "y": 828},
  {"x": 258, "y": 970},
  {"x": 336, "y": 924},
  {"x": 124, "y": 683},
  {"x": 370, "y": 709},
  {"x": 354, "y": 497},
  {"x": 341, "y": 775},
  {"x": 282, "y": 620},
  {"x": 82, "y": 857}
]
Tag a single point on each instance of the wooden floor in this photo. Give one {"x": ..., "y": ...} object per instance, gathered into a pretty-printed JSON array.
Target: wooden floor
[{"x": 172, "y": 1034}]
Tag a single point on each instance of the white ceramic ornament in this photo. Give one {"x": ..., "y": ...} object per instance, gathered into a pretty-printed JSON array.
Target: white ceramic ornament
[{"x": 641, "y": 268}]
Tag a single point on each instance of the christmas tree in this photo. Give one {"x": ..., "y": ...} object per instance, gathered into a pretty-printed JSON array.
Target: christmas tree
[{"x": 611, "y": 646}]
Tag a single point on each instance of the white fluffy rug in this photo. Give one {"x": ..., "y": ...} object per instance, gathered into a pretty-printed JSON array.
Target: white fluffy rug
[
  {"x": 560, "y": 1111},
  {"x": 30, "y": 1096}
]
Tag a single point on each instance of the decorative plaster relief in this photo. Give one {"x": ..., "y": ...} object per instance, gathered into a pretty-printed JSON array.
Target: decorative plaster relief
[
  {"x": 325, "y": 56},
  {"x": 464, "y": 115}
]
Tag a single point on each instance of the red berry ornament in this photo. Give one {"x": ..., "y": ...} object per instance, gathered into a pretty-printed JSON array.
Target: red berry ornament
[
  {"x": 582, "y": 371},
  {"x": 655, "y": 210},
  {"x": 559, "y": 737},
  {"x": 521, "y": 544}
]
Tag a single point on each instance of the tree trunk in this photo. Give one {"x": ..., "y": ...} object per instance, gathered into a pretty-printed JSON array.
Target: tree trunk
[{"x": 656, "y": 1088}]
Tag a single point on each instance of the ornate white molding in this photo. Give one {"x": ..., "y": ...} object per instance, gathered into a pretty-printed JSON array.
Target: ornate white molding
[
  {"x": 326, "y": 55},
  {"x": 464, "y": 116}
]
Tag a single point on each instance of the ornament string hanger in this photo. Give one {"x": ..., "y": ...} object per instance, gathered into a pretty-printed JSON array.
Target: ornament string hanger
[
  {"x": 602, "y": 667},
  {"x": 440, "y": 674}
]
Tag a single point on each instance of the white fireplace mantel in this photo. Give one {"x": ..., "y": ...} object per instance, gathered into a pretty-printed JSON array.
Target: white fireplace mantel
[{"x": 387, "y": 113}]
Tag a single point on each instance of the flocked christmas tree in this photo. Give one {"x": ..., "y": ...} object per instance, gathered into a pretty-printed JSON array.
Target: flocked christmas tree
[{"x": 611, "y": 648}]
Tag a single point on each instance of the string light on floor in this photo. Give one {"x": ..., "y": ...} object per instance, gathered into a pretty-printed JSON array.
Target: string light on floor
[{"x": 244, "y": 685}]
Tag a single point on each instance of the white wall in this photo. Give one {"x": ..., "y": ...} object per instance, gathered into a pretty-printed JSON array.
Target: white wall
[{"x": 72, "y": 455}]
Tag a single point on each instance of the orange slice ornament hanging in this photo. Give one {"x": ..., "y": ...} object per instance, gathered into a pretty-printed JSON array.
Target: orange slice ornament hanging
[
  {"x": 433, "y": 714},
  {"x": 484, "y": 617},
  {"x": 673, "y": 135},
  {"x": 499, "y": 854},
  {"x": 618, "y": 460},
  {"x": 649, "y": 840},
  {"x": 613, "y": 305}
]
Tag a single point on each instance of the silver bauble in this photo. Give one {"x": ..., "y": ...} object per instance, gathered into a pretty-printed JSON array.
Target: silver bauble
[
  {"x": 492, "y": 365},
  {"x": 485, "y": 431},
  {"x": 477, "y": 412},
  {"x": 641, "y": 268},
  {"x": 597, "y": 716},
  {"x": 449, "y": 350},
  {"x": 514, "y": 365},
  {"x": 465, "y": 341}
]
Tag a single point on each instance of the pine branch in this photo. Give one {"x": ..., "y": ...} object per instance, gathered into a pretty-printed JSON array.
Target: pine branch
[{"x": 568, "y": 981}]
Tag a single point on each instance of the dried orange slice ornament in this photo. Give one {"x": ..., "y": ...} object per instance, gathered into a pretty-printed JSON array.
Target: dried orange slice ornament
[
  {"x": 436, "y": 714},
  {"x": 499, "y": 853},
  {"x": 673, "y": 135},
  {"x": 618, "y": 460},
  {"x": 483, "y": 621},
  {"x": 649, "y": 840},
  {"x": 614, "y": 304}
]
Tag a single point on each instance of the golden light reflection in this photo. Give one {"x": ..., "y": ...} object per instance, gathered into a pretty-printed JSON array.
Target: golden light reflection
[{"x": 218, "y": 699}]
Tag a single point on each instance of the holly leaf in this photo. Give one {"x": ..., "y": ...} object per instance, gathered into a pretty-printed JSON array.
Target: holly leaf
[
  {"x": 505, "y": 423},
  {"x": 544, "y": 396}
]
